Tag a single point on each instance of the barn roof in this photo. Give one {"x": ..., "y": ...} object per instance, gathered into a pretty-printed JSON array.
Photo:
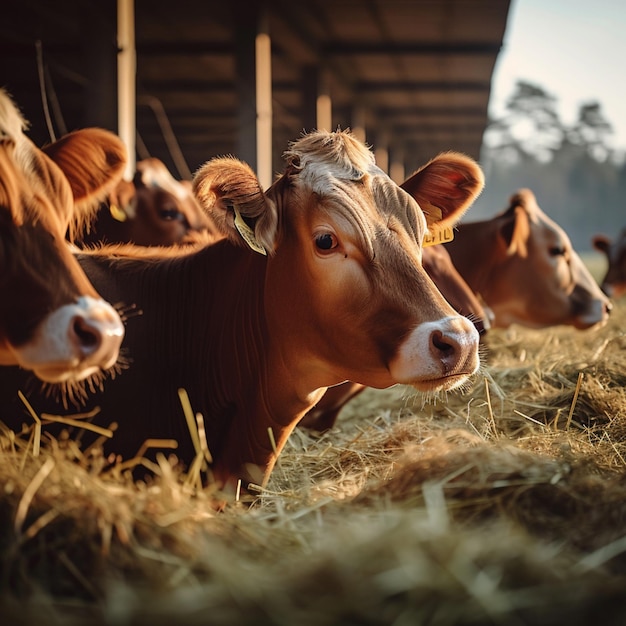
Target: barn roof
[{"x": 416, "y": 73}]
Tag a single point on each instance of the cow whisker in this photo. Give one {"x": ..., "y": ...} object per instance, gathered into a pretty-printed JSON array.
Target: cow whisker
[
  {"x": 66, "y": 393},
  {"x": 77, "y": 392},
  {"x": 127, "y": 311},
  {"x": 420, "y": 399}
]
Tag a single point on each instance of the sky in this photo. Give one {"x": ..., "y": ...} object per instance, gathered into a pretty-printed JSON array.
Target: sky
[{"x": 574, "y": 49}]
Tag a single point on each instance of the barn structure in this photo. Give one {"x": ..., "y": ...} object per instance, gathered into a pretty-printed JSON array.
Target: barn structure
[{"x": 199, "y": 78}]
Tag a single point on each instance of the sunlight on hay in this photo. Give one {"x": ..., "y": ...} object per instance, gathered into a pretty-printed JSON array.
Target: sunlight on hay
[{"x": 496, "y": 505}]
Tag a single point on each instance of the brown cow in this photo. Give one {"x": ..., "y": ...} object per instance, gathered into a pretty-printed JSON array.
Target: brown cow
[
  {"x": 524, "y": 267},
  {"x": 52, "y": 321},
  {"x": 521, "y": 263},
  {"x": 319, "y": 280},
  {"x": 157, "y": 212},
  {"x": 154, "y": 209},
  {"x": 614, "y": 281},
  {"x": 439, "y": 267}
]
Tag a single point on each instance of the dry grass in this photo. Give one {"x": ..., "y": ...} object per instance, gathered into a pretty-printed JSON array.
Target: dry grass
[{"x": 502, "y": 505}]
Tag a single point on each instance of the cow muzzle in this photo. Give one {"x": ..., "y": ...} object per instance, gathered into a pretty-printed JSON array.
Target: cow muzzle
[
  {"x": 74, "y": 342},
  {"x": 438, "y": 356}
]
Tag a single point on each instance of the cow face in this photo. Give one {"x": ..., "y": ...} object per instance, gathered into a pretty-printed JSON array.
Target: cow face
[
  {"x": 546, "y": 280},
  {"x": 154, "y": 209},
  {"x": 344, "y": 271},
  {"x": 51, "y": 319}
]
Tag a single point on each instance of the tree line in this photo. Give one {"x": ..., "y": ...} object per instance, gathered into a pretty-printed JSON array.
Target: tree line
[{"x": 578, "y": 178}]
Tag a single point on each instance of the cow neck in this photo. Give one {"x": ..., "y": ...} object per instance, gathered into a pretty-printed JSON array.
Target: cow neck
[
  {"x": 251, "y": 371},
  {"x": 262, "y": 381},
  {"x": 473, "y": 252}
]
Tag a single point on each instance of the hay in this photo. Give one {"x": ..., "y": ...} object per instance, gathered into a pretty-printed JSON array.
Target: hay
[{"x": 505, "y": 504}]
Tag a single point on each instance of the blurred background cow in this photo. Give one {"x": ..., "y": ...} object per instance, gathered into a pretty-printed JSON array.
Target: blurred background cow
[{"x": 154, "y": 209}]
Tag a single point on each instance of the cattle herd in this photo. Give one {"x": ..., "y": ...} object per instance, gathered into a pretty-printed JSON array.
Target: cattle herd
[{"x": 269, "y": 308}]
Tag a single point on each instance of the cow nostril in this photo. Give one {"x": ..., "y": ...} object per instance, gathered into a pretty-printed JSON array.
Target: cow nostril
[
  {"x": 438, "y": 339},
  {"x": 89, "y": 338}
]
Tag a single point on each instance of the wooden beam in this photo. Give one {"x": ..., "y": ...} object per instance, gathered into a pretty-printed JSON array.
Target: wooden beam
[{"x": 464, "y": 48}]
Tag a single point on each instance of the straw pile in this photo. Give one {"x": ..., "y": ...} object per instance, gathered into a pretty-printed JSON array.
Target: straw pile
[{"x": 505, "y": 504}]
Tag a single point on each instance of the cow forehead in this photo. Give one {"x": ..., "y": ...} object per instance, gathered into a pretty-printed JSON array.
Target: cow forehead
[
  {"x": 321, "y": 158},
  {"x": 154, "y": 174},
  {"x": 553, "y": 232},
  {"x": 342, "y": 172}
]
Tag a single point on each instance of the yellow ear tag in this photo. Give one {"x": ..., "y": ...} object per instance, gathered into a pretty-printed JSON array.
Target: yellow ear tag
[
  {"x": 437, "y": 234},
  {"x": 246, "y": 232},
  {"x": 117, "y": 213}
]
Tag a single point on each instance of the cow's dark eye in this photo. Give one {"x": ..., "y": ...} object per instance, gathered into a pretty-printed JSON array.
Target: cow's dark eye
[
  {"x": 326, "y": 241},
  {"x": 557, "y": 251},
  {"x": 171, "y": 215}
]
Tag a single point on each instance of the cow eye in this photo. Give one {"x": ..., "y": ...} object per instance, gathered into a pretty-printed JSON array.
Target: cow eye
[
  {"x": 326, "y": 241},
  {"x": 557, "y": 251},
  {"x": 170, "y": 215}
]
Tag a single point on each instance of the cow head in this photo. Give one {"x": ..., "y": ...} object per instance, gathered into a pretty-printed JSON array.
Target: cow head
[
  {"x": 51, "y": 319},
  {"x": 344, "y": 272},
  {"x": 538, "y": 279},
  {"x": 154, "y": 209},
  {"x": 614, "y": 281}
]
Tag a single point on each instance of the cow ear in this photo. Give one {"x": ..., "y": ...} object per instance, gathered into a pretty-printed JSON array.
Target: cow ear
[
  {"x": 123, "y": 201},
  {"x": 93, "y": 161},
  {"x": 515, "y": 231},
  {"x": 601, "y": 243},
  {"x": 446, "y": 187},
  {"x": 231, "y": 195}
]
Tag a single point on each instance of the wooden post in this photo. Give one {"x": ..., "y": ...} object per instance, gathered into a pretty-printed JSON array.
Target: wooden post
[
  {"x": 263, "y": 49},
  {"x": 396, "y": 168},
  {"x": 324, "y": 104},
  {"x": 381, "y": 150},
  {"x": 126, "y": 80},
  {"x": 357, "y": 124}
]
